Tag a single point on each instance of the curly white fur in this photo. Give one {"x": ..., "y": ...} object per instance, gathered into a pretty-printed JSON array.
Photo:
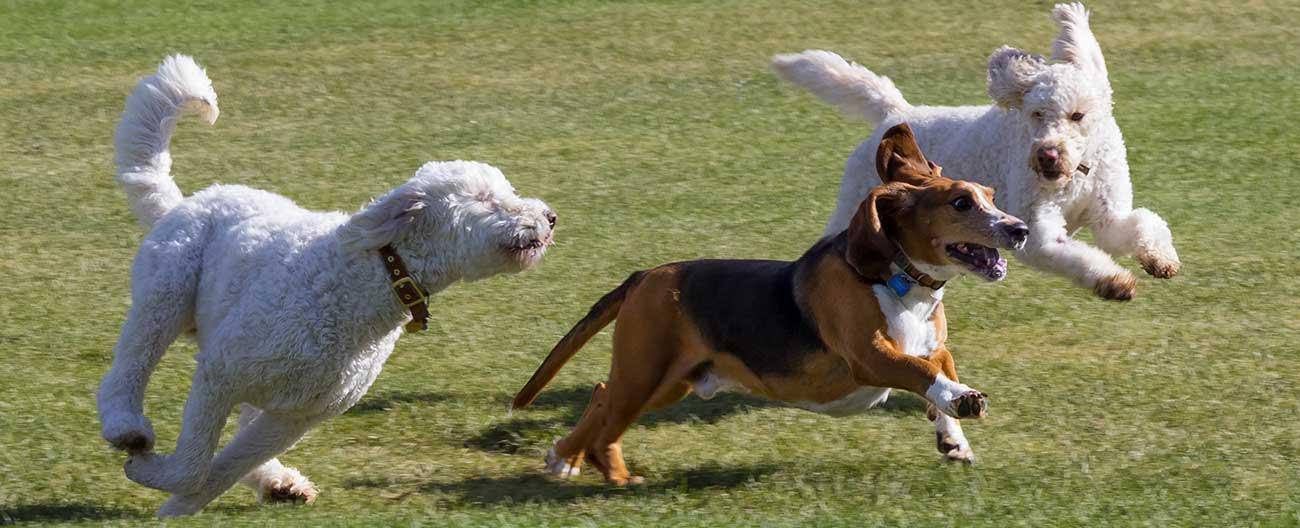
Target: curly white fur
[
  {"x": 1002, "y": 146},
  {"x": 292, "y": 309}
]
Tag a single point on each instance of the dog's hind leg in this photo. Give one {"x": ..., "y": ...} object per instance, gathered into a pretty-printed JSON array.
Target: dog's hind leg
[
  {"x": 255, "y": 445},
  {"x": 633, "y": 389},
  {"x": 273, "y": 481},
  {"x": 185, "y": 470},
  {"x": 164, "y": 282},
  {"x": 565, "y": 458}
]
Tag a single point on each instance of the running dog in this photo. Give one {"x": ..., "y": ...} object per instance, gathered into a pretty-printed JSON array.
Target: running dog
[
  {"x": 858, "y": 314},
  {"x": 1049, "y": 145},
  {"x": 294, "y": 311}
]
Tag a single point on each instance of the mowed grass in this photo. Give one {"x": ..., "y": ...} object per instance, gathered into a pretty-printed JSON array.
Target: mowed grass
[{"x": 658, "y": 133}]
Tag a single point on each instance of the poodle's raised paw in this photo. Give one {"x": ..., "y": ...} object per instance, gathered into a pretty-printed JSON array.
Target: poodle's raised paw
[
  {"x": 1117, "y": 287},
  {"x": 130, "y": 433}
]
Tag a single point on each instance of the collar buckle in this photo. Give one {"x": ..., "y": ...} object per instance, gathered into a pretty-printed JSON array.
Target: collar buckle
[{"x": 408, "y": 293}]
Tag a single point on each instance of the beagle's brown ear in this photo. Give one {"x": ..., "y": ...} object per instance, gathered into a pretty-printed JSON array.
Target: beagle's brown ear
[
  {"x": 869, "y": 246},
  {"x": 899, "y": 158}
]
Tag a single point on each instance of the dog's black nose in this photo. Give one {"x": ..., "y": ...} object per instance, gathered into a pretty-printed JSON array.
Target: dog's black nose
[
  {"x": 550, "y": 217},
  {"x": 1019, "y": 232}
]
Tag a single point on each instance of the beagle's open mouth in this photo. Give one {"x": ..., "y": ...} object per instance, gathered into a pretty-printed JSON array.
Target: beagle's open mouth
[{"x": 980, "y": 260}]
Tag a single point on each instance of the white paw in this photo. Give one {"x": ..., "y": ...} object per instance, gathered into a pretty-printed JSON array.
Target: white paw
[
  {"x": 132, "y": 433},
  {"x": 288, "y": 486},
  {"x": 558, "y": 467}
]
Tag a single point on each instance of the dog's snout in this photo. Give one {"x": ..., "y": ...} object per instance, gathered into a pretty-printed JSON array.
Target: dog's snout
[
  {"x": 1048, "y": 156},
  {"x": 1018, "y": 232},
  {"x": 550, "y": 217}
]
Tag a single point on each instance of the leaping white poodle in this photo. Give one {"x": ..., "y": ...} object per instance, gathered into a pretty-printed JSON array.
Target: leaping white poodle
[
  {"x": 293, "y": 310},
  {"x": 1049, "y": 146}
]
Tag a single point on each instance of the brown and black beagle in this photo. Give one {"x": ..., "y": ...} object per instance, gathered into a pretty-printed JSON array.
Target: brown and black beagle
[{"x": 858, "y": 314}]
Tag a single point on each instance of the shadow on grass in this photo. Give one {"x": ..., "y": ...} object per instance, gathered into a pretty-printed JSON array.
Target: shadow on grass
[
  {"x": 534, "y": 488},
  {"x": 67, "y": 511},
  {"x": 520, "y": 434},
  {"x": 386, "y": 401}
]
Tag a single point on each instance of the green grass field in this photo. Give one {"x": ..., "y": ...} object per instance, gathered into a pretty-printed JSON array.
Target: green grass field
[{"x": 658, "y": 133}]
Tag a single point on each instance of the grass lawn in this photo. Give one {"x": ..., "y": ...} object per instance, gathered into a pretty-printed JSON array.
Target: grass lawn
[{"x": 658, "y": 133}]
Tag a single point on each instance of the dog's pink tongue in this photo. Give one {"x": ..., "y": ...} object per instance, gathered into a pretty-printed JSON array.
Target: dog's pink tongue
[{"x": 999, "y": 270}]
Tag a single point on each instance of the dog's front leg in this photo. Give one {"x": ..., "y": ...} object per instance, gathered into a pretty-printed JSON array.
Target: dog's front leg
[
  {"x": 1051, "y": 248},
  {"x": 949, "y": 438},
  {"x": 1140, "y": 233},
  {"x": 880, "y": 364}
]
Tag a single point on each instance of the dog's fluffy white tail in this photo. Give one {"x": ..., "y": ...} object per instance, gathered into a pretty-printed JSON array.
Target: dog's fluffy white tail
[
  {"x": 142, "y": 137},
  {"x": 849, "y": 87}
]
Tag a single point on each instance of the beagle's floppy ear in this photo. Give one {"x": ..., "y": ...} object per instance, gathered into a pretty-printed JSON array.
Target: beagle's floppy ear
[
  {"x": 867, "y": 236},
  {"x": 899, "y": 158}
]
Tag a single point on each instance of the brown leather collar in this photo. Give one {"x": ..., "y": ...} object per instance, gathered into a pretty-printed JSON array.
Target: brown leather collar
[
  {"x": 915, "y": 274},
  {"x": 407, "y": 291}
]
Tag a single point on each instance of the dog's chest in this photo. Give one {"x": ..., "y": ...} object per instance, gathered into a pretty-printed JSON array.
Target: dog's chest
[{"x": 907, "y": 319}]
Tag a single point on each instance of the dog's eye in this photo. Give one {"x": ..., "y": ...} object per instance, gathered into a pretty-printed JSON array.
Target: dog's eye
[
  {"x": 1077, "y": 116},
  {"x": 961, "y": 204},
  {"x": 1038, "y": 114}
]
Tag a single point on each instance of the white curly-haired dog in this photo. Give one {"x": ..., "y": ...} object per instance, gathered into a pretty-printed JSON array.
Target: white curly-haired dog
[
  {"x": 293, "y": 310},
  {"x": 1050, "y": 147}
]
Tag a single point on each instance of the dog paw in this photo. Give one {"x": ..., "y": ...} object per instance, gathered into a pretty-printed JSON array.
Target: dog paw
[
  {"x": 971, "y": 404},
  {"x": 289, "y": 487},
  {"x": 954, "y": 451},
  {"x": 560, "y": 467},
  {"x": 130, "y": 433},
  {"x": 1160, "y": 268},
  {"x": 1117, "y": 287}
]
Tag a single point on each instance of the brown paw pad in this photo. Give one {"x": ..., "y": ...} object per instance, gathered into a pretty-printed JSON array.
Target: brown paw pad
[
  {"x": 1119, "y": 287},
  {"x": 973, "y": 404}
]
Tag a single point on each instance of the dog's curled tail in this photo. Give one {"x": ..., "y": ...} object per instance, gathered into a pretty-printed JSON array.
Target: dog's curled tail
[
  {"x": 142, "y": 137},
  {"x": 601, "y": 314},
  {"x": 849, "y": 87}
]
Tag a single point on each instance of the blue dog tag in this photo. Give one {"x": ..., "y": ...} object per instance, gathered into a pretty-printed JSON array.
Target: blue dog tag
[{"x": 900, "y": 284}]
